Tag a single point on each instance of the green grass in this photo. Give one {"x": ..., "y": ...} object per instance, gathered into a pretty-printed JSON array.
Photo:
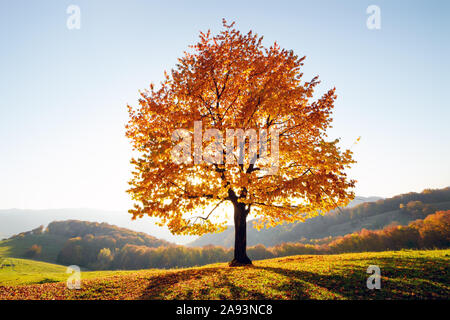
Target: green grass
[
  {"x": 405, "y": 275},
  {"x": 15, "y": 272},
  {"x": 17, "y": 247},
  {"x": 22, "y": 271}
]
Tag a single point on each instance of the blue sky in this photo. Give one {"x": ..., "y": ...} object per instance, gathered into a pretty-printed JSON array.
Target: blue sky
[{"x": 63, "y": 93}]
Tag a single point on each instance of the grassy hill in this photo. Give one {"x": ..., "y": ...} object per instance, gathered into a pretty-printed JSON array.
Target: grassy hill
[
  {"x": 15, "y": 272},
  {"x": 18, "y": 247},
  {"x": 405, "y": 275}
]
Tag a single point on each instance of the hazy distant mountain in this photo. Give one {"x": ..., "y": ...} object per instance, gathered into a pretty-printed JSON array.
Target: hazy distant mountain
[
  {"x": 360, "y": 199},
  {"x": 14, "y": 221}
]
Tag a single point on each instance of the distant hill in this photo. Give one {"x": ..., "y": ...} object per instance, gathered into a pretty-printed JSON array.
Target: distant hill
[
  {"x": 48, "y": 244},
  {"x": 360, "y": 199},
  {"x": 370, "y": 213},
  {"x": 14, "y": 221}
]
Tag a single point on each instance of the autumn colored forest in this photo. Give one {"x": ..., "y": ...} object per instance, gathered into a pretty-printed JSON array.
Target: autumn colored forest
[{"x": 429, "y": 233}]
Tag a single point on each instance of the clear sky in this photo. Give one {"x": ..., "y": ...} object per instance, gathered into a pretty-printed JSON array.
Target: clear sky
[{"x": 63, "y": 93}]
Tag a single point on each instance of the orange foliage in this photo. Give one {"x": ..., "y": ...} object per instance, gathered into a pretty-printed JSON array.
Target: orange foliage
[{"x": 230, "y": 81}]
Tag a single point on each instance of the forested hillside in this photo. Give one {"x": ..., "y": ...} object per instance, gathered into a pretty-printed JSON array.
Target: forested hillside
[
  {"x": 84, "y": 238},
  {"x": 14, "y": 221},
  {"x": 400, "y": 209}
]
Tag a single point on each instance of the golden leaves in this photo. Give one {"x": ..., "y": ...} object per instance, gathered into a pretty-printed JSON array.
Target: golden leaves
[{"x": 230, "y": 80}]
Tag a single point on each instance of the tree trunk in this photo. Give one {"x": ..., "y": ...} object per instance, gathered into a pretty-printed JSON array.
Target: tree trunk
[{"x": 240, "y": 236}]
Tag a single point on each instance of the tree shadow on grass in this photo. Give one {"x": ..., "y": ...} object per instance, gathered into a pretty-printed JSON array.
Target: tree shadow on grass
[
  {"x": 160, "y": 285},
  {"x": 347, "y": 282},
  {"x": 332, "y": 283},
  {"x": 353, "y": 285}
]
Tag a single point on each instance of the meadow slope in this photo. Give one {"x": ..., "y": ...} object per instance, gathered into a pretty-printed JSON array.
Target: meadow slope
[{"x": 405, "y": 275}]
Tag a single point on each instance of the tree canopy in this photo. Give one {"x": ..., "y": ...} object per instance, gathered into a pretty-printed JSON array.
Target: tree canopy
[{"x": 230, "y": 81}]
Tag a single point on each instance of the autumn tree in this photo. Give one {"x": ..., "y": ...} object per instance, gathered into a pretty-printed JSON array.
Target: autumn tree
[
  {"x": 34, "y": 251},
  {"x": 230, "y": 81}
]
